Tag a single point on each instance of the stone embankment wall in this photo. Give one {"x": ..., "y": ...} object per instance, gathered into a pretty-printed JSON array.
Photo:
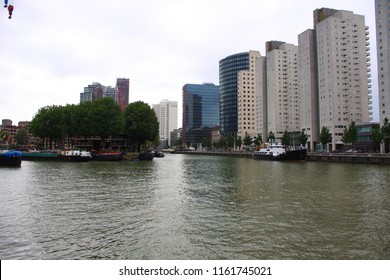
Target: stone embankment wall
[{"x": 383, "y": 159}]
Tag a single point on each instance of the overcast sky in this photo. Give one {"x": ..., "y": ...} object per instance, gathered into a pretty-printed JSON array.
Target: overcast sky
[{"x": 51, "y": 50}]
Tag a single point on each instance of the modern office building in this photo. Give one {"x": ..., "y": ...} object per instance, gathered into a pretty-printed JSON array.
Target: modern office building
[
  {"x": 228, "y": 91},
  {"x": 247, "y": 98},
  {"x": 200, "y": 112},
  {"x": 308, "y": 87},
  {"x": 166, "y": 112},
  {"x": 341, "y": 58},
  {"x": 382, "y": 12},
  {"x": 283, "y": 100},
  {"x": 176, "y": 136},
  {"x": 365, "y": 137}
]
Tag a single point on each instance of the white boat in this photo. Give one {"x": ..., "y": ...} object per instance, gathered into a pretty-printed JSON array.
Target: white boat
[
  {"x": 275, "y": 151},
  {"x": 75, "y": 155}
]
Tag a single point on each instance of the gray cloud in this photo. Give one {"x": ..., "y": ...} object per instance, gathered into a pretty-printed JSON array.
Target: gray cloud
[{"x": 50, "y": 50}]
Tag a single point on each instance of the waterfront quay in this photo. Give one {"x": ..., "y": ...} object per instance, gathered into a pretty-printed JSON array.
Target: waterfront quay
[
  {"x": 363, "y": 158},
  {"x": 247, "y": 154},
  {"x": 383, "y": 159}
]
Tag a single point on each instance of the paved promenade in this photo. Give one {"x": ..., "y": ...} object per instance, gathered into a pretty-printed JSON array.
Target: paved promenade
[{"x": 382, "y": 159}]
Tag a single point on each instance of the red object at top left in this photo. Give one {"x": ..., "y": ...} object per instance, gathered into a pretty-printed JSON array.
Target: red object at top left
[
  {"x": 10, "y": 7},
  {"x": 10, "y": 10}
]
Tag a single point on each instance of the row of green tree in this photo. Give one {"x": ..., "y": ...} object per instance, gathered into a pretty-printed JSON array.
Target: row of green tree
[
  {"x": 138, "y": 123},
  {"x": 381, "y": 134},
  {"x": 248, "y": 141},
  {"x": 99, "y": 118}
]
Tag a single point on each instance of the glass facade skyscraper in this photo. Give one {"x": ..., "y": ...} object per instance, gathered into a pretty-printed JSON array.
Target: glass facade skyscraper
[
  {"x": 228, "y": 70},
  {"x": 200, "y": 112}
]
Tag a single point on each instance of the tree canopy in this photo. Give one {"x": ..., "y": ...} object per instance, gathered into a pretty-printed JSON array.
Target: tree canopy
[
  {"x": 106, "y": 118},
  {"x": 21, "y": 137},
  {"x": 140, "y": 123},
  {"x": 271, "y": 136},
  {"x": 286, "y": 138},
  {"x": 325, "y": 136},
  {"x": 99, "y": 118},
  {"x": 350, "y": 134},
  {"x": 259, "y": 140},
  {"x": 385, "y": 131},
  {"x": 247, "y": 141},
  {"x": 303, "y": 138},
  {"x": 48, "y": 124}
]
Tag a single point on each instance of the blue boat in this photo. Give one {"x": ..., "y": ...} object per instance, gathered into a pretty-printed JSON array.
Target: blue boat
[{"x": 10, "y": 158}]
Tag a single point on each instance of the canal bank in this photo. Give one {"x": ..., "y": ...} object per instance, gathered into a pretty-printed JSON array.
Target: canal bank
[
  {"x": 382, "y": 159},
  {"x": 216, "y": 153},
  {"x": 216, "y": 208}
]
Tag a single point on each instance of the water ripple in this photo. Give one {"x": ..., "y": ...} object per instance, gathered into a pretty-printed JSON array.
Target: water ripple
[{"x": 194, "y": 207}]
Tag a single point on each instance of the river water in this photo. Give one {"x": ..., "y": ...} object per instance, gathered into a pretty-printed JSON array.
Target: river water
[{"x": 195, "y": 207}]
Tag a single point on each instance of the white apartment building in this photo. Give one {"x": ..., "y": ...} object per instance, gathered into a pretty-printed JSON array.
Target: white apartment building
[
  {"x": 167, "y": 116},
  {"x": 282, "y": 88},
  {"x": 247, "y": 98},
  {"x": 343, "y": 70},
  {"x": 261, "y": 97},
  {"x": 307, "y": 66},
  {"x": 382, "y": 12}
]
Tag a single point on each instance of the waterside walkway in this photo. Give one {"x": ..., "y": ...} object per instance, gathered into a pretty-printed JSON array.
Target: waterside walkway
[
  {"x": 382, "y": 159},
  {"x": 216, "y": 153}
]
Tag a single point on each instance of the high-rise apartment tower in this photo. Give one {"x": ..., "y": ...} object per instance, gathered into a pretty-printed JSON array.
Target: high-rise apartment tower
[
  {"x": 120, "y": 93},
  {"x": 382, "y": 12},
  {"x": 166, "y": 112},
  {"x": 123, "y": 89},
  {"x": 341, "y": 41},
  {"x": 308, "y": 87},
  {"x": 247, "y": 98},
  {"x": 282, "y": 88}
]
